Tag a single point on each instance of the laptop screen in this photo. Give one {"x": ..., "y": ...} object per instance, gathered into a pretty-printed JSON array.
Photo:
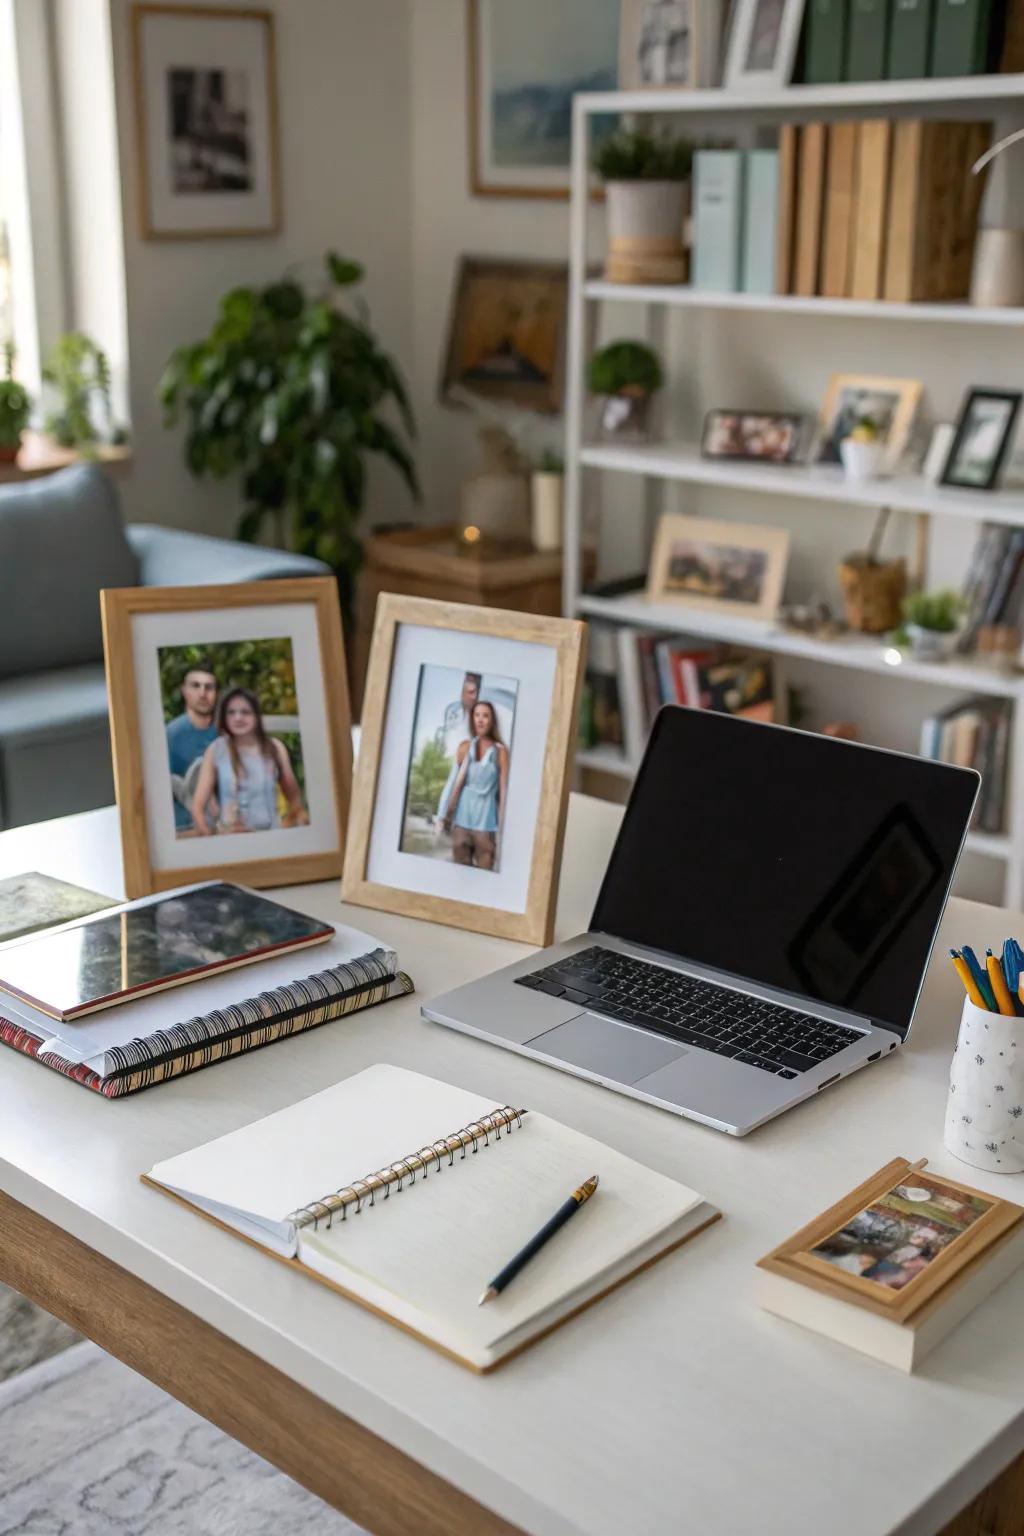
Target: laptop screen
[{"x": 806, "y": 863}]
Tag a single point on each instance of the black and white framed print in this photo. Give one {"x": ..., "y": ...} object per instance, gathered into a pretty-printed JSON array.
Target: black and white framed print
[{"x": 983, "y": 436}]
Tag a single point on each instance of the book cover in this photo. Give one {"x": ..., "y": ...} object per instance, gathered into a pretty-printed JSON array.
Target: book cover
[
  {"x": 32, "y": 901},
  {"x": 1011, "y": 59},
  {"x": 785, "y": 216},
  {"x": 810, "y": 202},
  {"x": 910, "y": 39},
  {"x": 868, "y": 35},
  {"x": 961, "y": 37},
  {"x": 825, "y": 41},
  {"x": 717, "y": 219},
  {"x": 872, "y": 206},
  {"x": 761, "y": 211},
  {"x": 743, "y": 686},
  {"x": 840, "y": 196}
]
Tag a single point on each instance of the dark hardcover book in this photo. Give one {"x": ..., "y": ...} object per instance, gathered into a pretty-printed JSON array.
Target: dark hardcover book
[
  {"x": 866, "y": 44},
  {"x": 994, "y": 771},
  {"x": 961, "y": 38},
  {"x": 649, "y": 676},
  {"x": 825, "y": 41},
  {"x": 910, "y": 39}
]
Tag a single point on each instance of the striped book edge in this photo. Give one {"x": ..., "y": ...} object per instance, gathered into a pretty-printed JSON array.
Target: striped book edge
[{"x": 227, "y": 1032}]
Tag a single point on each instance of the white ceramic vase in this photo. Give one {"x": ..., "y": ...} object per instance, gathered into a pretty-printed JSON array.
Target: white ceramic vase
[
  {"x": 985, "y": 1106},
  {"x": 931, "y": 644},
  {"x": 861, "y": 460},
  {"x": 997, "y": 276},
  {"x": 546, "y": 509}
]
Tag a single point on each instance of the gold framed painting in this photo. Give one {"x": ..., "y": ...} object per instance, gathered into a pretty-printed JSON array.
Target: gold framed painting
[
  {"x": 507, "y": 333},
  {"x": 230, "y": 729},
  {"x": 462, "y": 784},
  {"x": 206, "y": 121},
  {"x": 890, "y": 404},
  {"x": 733, "y": 568}
]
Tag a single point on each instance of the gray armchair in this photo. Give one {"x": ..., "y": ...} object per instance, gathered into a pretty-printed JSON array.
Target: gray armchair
[{"x": 61, "y": 541}]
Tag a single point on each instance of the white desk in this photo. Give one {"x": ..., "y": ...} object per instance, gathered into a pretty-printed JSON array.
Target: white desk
[{"x": 675, "y": 1404}]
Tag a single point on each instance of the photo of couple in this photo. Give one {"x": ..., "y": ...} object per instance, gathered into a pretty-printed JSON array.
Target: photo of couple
[
  {"x": 234, "y": 750},
  {"x": 458, "y": 766}
]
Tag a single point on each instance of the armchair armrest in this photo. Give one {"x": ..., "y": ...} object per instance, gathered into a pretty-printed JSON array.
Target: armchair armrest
[{"x": 169, "y": 557}]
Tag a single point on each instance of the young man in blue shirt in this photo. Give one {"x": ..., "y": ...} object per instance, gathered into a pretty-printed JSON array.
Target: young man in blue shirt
[{"x": 189, "y": 735}]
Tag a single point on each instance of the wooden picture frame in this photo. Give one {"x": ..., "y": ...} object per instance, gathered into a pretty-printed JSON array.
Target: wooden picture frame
[
  {"x": 219, "y": 622},
  {"x": 996, "y": 458},
  {"x": 755, "y": 584},
  {"x": 795, "y": 1261},
  {"x": 762, "y": 61},
  {"x": 849, "y": 393},
  {"x": 382, "y": 795},
  {"x": 206, "y": 212},
  {"x": 497, "y": 303}
]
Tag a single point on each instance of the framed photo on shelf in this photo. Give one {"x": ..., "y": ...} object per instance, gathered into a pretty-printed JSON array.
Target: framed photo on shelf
[
  {"x": 507, "y": 333},
  {"x": 526, "y": 61},
  {"x": 462, "y": 783},
  {"x": 658, "y": 43},
  {"x": 734, "y": 568},
  {"x": 206, "y": 122},
  {"x": 761, "y": 436},
  {"x": 891, "y": 404},
  {"x": 984, "y": 433},
  {"x": 763, "y": 38},
  {"x": 231, "y": 733}
]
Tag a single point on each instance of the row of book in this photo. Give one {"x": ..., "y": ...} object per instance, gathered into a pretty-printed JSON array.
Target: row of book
[
  {"x": 975, "y": 733},
  {"x": 994, "y": 589},
  {"x": 911, "y": 39}
]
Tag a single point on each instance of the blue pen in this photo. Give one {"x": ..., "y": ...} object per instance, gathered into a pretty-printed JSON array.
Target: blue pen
[
  {"x": 1011, "y": 966},
  {"x": 981, "y": 977}
]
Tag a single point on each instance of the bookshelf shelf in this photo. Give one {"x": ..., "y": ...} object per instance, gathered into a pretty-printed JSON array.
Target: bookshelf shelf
[
  {"x": 942, "y": 94},
  {"x": 680, "y": 295},
  {"x": 813, "y": 482},
  {"x": 606, "y": 760}
]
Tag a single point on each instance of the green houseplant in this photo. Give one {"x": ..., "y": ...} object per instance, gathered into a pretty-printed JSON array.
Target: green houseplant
[
  {"x": 625, "y": 374},
  {"x": 931, "y": 623},
  {"x": 15, "y": 409},
  {"x": 79, "y": 371},
  {"x": 289, "y": 391},
  {"x": 646, "y": 178}
]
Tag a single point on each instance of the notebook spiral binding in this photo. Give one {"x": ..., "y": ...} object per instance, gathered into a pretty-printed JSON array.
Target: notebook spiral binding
[{"x": 507, "y": 1118}]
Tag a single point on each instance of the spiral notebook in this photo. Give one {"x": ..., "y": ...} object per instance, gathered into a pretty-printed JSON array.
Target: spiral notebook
[{"x": 407, "y": 1195}]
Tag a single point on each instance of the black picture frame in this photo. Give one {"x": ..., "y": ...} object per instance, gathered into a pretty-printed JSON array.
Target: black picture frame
[
  {"x": 790, "y": 418},
  {"x": 948, "y": 477}
]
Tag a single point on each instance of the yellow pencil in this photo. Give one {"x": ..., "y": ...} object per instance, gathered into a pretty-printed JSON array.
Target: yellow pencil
[
  {"x": 963, "y": 970},
  {"x": 1004, "y": 1002}
]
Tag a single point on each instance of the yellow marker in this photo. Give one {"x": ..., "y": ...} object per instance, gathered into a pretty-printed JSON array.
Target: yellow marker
[
  {"x": 1004, "y": 1002},
  {"x": 963, "y": 970}
]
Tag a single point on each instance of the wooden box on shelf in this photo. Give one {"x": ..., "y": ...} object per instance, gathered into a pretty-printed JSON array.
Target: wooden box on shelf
[{"x": 429, "y": 562}]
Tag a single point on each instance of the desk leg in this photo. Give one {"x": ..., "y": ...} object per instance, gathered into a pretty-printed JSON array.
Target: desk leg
[{"x": 344, "y": 1464}]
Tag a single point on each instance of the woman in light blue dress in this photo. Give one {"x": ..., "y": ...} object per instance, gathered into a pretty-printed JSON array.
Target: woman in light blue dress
[
  {"x": 247, "y": 770},
  {"x": 477, "y": 803}
]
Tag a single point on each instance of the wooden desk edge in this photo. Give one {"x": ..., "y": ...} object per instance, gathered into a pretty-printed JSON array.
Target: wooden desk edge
[{"x": 348, "y": 1466}]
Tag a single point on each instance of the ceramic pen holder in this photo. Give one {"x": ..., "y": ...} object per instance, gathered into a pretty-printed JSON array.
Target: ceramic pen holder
[{"x": 985, "y": 1106}]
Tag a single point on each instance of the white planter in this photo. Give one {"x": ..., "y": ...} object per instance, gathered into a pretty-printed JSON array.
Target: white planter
[
  {"x": 985, "y": 1107},
  {"x": 861, "y": 461},
  {"x": 546, "y": 509},
  {"x": 645, "y": 231},
  {"x": 931, "y": 644},
  {"x": 997, "y": 276}
]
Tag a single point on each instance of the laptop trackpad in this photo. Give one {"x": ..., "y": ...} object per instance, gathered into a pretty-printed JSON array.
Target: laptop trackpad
[{"x": 610, "y": 1050}]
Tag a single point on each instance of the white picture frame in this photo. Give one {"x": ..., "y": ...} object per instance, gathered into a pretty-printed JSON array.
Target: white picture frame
[{"x": 763, "y": 39}]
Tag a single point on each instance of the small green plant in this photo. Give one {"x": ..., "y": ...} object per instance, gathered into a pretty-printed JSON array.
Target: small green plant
[
  {"x": 865, "y": 430},
  {"x": 638, "y": 155},
  {"x": 79, "y": 371},
  {"x": 550, "y": 463},
  {"x": 15, "y": 404},
  {"x": 938, "y": 611},
  {"x": 625, "y": 367}
]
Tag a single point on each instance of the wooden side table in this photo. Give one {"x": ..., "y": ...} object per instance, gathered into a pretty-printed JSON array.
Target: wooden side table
[{"x": 427, "y": 562}]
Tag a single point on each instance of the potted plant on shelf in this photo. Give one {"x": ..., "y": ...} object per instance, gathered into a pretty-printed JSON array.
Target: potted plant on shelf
[
  {"x": 79, "y": 371},
  {"x": 932, "y": 623},
  {"x": 291, "y": 391},
  {"x": 15, "y": 409},
  {"x": 873, "y": 588},
  {"x": 625, "y": 375},
  {"x": 862, "y": 450},
  {"x": 647, "y": 181}
]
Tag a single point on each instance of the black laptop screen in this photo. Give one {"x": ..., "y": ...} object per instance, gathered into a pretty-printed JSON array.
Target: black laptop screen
[{"x": 806, "y": 863}]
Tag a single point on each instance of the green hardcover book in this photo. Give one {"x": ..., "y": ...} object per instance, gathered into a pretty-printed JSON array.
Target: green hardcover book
[
  {"x": 910, "y": 39},
  {"x": 960, "y": 41},
  {"x": 825, "y": 41},
  {"x": 866, "y": 45}
]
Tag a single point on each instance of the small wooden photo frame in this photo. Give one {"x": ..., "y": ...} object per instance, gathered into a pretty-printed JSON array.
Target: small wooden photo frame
[
  {"x": 731, "y": 568},
  {"x": 890, "y": 403},
  {"x": 231, "y": 731},
  {"x": 896, "y": 1241},
  {"x": 462, "y": 782}
]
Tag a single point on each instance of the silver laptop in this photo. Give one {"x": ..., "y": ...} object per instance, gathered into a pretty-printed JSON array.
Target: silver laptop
[{"x": 763, "y": 927}]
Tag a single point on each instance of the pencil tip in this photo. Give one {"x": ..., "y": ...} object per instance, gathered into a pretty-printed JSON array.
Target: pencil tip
[{"x": 488, "y": 1295}]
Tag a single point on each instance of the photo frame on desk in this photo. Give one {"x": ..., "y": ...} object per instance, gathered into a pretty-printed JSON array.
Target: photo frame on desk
[
  {"x": 462, "y": 784},
  {"x": 231, "y": 731}
]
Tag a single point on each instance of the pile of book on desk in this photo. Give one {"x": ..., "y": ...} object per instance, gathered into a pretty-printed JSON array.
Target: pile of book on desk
[
  {"x": 975, "y": 733},
  {"x": 148, "y": 990}
]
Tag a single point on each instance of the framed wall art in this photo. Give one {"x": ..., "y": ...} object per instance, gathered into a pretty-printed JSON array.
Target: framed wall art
[
  {"x": 462, "y": 783},
  {"x": 206, "y": 121},
  {"x": 507, "y": 333},
  {"x": 231, "y": 732}
]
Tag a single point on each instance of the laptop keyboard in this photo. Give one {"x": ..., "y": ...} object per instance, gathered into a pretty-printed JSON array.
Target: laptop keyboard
[{"x": 766, "y": 1035}]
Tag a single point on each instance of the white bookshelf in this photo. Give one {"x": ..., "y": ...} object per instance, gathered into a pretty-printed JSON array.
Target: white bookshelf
[{"x": 657, "y": 463}]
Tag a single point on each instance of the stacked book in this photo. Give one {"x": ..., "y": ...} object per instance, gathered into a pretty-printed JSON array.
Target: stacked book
[
  {"x": 975, "y": 733},
  {"x": 909, "y": 39},
  {"x": 994, "y": 591}
]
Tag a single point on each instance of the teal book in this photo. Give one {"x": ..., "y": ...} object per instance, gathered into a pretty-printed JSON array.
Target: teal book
[
  {"x": 761, "y": 210},
  {"x": 910, "y": 39},
  {"x": 961, "y": 38},
  {"x": 868, "y": 36},
  {"x": 717, "y": 219},
  {"x": 825, "y": 41}
]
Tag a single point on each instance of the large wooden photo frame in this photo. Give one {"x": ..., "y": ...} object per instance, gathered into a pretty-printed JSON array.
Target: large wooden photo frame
[
  {"x": 462, "y": 783},
  {"x": 229, "y": 714}
]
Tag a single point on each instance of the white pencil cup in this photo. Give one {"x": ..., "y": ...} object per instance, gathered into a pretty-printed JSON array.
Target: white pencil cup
[{"x": 985, "y": 1106}]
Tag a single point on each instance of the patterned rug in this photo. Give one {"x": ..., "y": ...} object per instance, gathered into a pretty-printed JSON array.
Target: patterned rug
[{"x": 89, "y": 1448}]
